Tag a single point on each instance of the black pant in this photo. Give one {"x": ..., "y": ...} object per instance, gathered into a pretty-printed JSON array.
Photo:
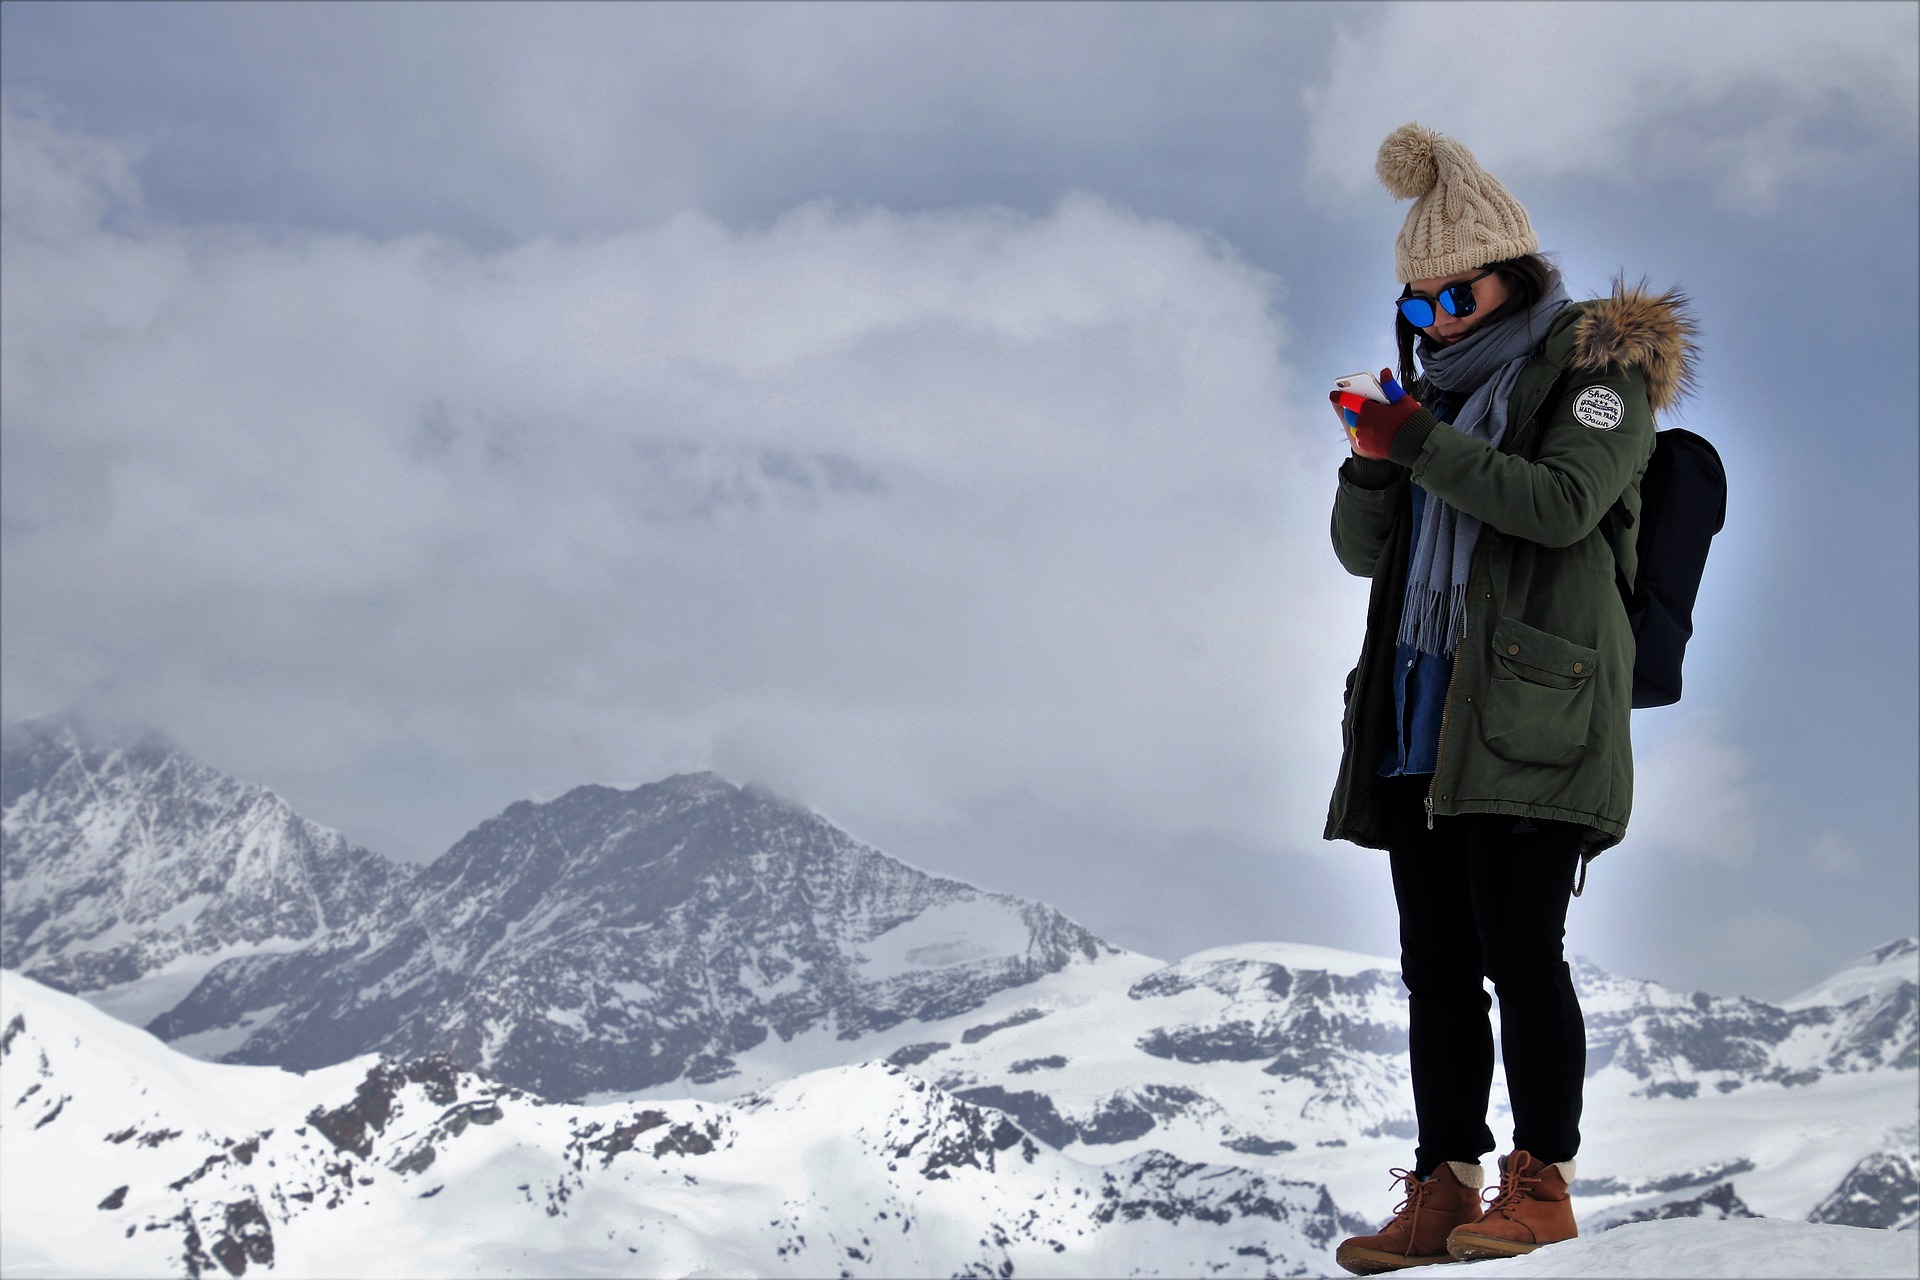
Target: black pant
[{"x": 1486, "y": 895}]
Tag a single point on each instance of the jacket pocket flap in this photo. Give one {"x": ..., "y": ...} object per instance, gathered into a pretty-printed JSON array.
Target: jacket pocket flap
[{"x": 1520, "y": 645}]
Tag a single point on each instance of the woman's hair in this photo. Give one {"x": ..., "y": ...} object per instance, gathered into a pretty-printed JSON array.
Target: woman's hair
[{"x": 1528, "y": 279}]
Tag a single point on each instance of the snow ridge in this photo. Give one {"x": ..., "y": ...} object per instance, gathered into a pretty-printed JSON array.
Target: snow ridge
[{"x": 420, "y": 1168}]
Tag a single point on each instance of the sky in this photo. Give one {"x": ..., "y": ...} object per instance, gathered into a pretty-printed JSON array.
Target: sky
[{"x": 917, "y": 410}]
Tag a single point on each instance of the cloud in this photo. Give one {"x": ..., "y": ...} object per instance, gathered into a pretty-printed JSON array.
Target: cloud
[
  {"x": 895, "y": 512},
  {"x": 1753, "y": 96},
  {"x": 1835, "y": 855},
  {"x": 505, "y": 121},
  {"x": 59, "y": 178},
  {"x": 1692, "y": 793}
]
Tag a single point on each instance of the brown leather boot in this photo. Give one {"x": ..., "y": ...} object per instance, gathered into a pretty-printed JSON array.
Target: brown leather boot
[
  {"x": 1532, "y": 1209},
  {"x": 1417, "y": 1235}
]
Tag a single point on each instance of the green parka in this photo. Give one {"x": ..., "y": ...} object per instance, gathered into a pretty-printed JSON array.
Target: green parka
[{"x": 1536, "y": 714}]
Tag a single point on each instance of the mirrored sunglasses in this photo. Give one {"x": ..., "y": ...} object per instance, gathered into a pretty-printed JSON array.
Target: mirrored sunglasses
[{"x": 1456, "y": 299}]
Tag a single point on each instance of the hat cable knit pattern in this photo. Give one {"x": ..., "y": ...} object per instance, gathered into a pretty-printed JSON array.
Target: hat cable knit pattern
[{"x": 1461, "y": 218}]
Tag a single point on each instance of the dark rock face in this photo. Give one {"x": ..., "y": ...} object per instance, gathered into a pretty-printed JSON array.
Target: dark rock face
[
  {"x": 613, "y": 940},
  {"x": 910, "y": 1055},
  {"x": 248, "y": 1238},
  {"x": 121, "y": 853},
  {"x": 1673, "y": 1089},
  {"x": 1699, "y": 1177},
  {"x": 1035, "y": 1112},
  {"x": 1259, "y": 1146},
  {"x": 1716, "y": 1202},
  {"x": 977, "y": 1141},
  {"x": 1307, "y": 1017},
  {"x": 244, "y": 984},
  {"x": 352, "y": 1126},
  {"x": 1883, "y": 1190},
  {"x": 1174, "y": 1190},
  {"x": 1704, "y": 1176},
  {"x": 1119, "y": 1119},
  {"x": 974, "y": 1035}
]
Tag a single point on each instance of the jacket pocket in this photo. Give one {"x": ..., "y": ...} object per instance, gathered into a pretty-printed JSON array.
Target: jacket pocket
[{"x": 1539, "y": 699}]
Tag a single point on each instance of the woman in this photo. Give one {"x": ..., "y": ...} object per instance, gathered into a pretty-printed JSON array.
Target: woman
[{"x": 1486, "y": 743}]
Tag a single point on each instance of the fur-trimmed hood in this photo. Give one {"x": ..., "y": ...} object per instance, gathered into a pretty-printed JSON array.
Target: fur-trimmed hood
[{"x": 1652, "y": 332}]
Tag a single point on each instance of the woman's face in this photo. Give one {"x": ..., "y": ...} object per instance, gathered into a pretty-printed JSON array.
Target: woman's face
[{"x": 1489, "y": 295}]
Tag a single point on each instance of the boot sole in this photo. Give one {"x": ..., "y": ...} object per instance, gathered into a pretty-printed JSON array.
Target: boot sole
[
  {"x": 1468, "y": 1248},
  {"x": 1371, "y": 1262}
]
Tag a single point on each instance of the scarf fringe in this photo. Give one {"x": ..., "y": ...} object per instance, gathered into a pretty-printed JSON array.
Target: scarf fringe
[{"x": 1434, "y": 620}]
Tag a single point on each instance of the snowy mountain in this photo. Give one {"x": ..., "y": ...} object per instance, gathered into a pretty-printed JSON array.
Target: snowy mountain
[
  {"x": 611, "y": 940},
  {"x": 151, "y": 1163},
  {"x": 694, "y": 941},
  {"x": 130, "y": 869},
  {"x": 1860, "y": 1019},
  {"x": 146, "y": 1162},
  {"x": 1883, "y": 1190},
  {"x": 1292, "y": 1060}
]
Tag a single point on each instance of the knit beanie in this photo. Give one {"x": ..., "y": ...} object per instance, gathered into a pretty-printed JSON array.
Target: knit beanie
[{"x": 1461, "y": 218}]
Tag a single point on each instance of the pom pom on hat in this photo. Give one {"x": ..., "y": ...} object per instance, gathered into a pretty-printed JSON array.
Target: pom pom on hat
[
  {"x": 1406, "y": 164},
  {"x": 1462, "y": 218}
]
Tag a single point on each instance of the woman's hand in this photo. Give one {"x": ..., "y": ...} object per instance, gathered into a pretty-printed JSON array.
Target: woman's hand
[{"x": 1371, "y": 425}]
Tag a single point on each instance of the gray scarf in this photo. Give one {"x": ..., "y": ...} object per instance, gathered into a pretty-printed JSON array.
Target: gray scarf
[{"x": 1485, "y": 363}]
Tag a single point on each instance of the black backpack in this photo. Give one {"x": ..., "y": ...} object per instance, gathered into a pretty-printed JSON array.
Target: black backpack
[{"x": 1683, "y": 503}]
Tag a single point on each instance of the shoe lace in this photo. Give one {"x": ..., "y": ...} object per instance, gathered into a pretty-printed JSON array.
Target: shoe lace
[
  {"x": 1514, "y": 1187},
  {"x": 1410, "y": 1204}
]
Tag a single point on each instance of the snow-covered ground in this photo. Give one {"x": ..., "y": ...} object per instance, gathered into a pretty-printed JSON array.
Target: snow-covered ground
[
  {"x": 123, "y": 1157},
  {"x": 1735, "y": 1249}
]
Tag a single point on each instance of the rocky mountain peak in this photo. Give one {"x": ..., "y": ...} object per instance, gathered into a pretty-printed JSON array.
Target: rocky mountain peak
[
  {"x": 628, "y": 854},
  {"x": 124, "y": 856},
  {"x": 611, "y": 939},
  {"x": 1878, "y": 973}
]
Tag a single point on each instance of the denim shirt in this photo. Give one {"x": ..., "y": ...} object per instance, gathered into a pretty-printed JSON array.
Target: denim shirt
[
  {"x": 1419, "y": 697},
  {"x": 1419, "y": 679}
]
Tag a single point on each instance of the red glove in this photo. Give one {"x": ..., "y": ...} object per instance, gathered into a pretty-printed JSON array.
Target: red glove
[{"x": 1371, "y": 426}]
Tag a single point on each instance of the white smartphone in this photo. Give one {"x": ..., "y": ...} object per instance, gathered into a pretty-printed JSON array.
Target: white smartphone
[{"x": 1364, "y": 385}]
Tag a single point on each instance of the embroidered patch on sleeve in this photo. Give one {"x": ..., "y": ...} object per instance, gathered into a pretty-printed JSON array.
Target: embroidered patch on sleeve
[{"x": 1599, "y": 407}]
